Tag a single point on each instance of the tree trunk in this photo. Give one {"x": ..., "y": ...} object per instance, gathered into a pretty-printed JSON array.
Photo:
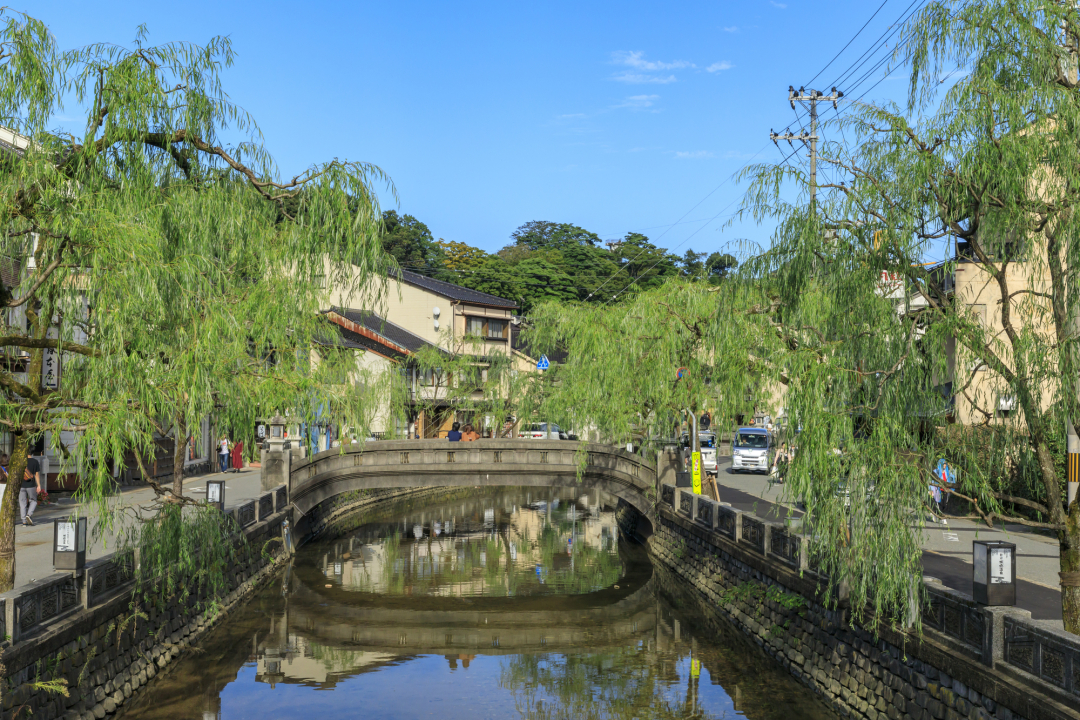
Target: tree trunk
[
  {"x": 9, "y": 509},
  {"x": 179, "y": 450},
  {"x": 1069, "y": 539}
]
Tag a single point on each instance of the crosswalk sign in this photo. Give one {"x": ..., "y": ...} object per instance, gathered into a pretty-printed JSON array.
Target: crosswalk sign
[{"x": 542, "y": 363}]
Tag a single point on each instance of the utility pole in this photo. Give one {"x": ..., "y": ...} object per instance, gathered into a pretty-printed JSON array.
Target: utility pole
[{"x": 813, "y": 97}]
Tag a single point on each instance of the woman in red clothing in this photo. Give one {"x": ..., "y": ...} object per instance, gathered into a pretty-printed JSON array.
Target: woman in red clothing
[{"x": 238, "y": 456}]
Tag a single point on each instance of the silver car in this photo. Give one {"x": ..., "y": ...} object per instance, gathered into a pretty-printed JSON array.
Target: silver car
[{"x": 542, "y": 431}]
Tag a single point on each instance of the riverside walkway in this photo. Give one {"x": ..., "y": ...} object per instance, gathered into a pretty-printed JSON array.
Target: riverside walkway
[{"x": 946, "y": 548}]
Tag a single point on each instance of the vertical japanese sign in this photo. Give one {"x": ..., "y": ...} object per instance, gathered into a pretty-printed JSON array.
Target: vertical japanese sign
[
  {"x": 695, "y": 460},
  {"x": 50, "y": 365},
  {"x": 1000, "y": 566}
]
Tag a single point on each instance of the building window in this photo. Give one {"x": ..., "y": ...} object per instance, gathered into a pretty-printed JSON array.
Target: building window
[
  {"x": 432, "y": 377},
  {"x": 487, "y": 328}
]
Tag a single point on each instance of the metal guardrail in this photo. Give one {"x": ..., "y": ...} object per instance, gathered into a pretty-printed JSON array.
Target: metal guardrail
[
  {"x": 266, "y": 505},
  {"x": 667, "y": 494},
  {"x": 726, "y": 520},
  {"x": 1051, "y": 655},
  {"x": 784, "y": 545},
  {"x": 706, "y": 511},
  {"x": 959, "y": 618},
  {"x": 245, "y": 513},
  {"x": 753, "y": 533},
  {"x": 105, "y": 575},
  {"x": 31, "y": 606},
  {"x": 686, "y": 505}
]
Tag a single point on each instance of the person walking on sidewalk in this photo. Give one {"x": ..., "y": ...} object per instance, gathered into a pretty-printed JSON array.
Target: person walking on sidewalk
[
  {"x": 31, "y": 486},
  {"x": 223, "y": 454}
]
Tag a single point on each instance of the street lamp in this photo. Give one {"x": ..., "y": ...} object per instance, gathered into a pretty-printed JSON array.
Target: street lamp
[
  {"x": 215, "y": 494},
  {"x": 69, "y": 544},
  {"x": 994, "y": 572}
]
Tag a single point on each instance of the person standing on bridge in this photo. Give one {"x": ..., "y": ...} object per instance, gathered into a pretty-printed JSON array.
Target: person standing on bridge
[
  {"x": 455, "y": 433},
  {"x": 31, "y": 486},
  {"x": 469, "y": 433}
]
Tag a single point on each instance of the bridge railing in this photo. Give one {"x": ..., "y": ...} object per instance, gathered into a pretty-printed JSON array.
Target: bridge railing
[{"x": 411, "y": 461}]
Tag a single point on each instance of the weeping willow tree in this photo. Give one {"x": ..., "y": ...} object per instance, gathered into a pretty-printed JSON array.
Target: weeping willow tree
[
  {"x": 988, "y": 171},
  {"x": 161, "y": 260},
  {"x": 620, "y": 380}
]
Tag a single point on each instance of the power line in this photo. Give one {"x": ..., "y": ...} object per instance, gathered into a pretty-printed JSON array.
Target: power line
[
  {"x": 726, "y": 180},
  {"x": 848, "y": 43},
  {"x": 707, "y": 223}
]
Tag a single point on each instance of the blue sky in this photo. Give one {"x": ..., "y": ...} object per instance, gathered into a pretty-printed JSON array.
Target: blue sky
[{"x": 614, "y": 116}]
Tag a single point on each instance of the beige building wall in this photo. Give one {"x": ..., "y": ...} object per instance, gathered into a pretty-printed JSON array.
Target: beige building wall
[{"x": 987, "y": 397}]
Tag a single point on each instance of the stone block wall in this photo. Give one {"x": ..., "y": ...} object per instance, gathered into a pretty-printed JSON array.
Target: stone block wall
[
  {"x": 892, "y": 675},
  {"x": 107, "y": 652}
]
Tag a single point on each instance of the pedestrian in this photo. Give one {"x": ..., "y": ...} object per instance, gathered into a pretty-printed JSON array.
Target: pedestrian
[
  {"x": 706, "y": 420},
  {"x": 238, "y": 456},
  {"x": 223, "y": 454},
  {"x": 780, "y": 465},
  {"x": 455, "y": 433},
  {"x": 470, "y": 434},
  {"x": 31, "y": 486}
]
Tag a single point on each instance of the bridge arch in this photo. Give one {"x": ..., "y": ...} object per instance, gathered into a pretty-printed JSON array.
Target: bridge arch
[{"x": 490, "y": 463}]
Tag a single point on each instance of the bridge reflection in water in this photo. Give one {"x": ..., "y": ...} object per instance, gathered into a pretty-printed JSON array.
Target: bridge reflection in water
[{"x": 513, "y": 604}]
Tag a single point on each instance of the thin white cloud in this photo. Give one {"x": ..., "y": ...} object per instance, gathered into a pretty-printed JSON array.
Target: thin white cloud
[
  {"x": 775, "y": 4},
  {"x": 636, "y": 59},
  {"x": 718, "y": 66},
  {"x": 639, "y": 78},
  {"x": 694, "y": 155},
  {"x": 732, "y": 29},
  {"x": 638, "y": 102}
]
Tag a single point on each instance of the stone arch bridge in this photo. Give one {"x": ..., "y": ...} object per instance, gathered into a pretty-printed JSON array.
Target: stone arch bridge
[{"x": 439, "y": 463}]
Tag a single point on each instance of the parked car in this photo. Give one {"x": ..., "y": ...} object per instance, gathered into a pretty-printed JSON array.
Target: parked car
[
  {"x": 542, "y": 431},
  {"x": 707, "y": 440},
  {"x": 751, "y": 450}
]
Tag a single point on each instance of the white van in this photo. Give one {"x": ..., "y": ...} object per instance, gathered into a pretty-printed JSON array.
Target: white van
[
  {"x": 709, "y": 460},
  {"x": 750, "y": 450}
]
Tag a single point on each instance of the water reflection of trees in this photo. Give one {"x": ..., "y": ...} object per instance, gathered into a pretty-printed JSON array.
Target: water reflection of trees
[
  {"x": 623, "y": 682},
  {"x": 535, "y": 550}
]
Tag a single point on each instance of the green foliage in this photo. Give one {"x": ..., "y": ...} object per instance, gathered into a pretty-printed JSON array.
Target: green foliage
[
  {"x": 410, "y": 242},
  {"x": 620, "y": 373},
  {"x": 990, "y": 167},
  {"x": 177, "y": 274}
]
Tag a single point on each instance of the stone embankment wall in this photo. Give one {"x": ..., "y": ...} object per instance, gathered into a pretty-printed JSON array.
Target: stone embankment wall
[
  {"x": 108, "y": 651},
  {"x": 87, "y": 634},
  {"x": 773, "y": 597}
]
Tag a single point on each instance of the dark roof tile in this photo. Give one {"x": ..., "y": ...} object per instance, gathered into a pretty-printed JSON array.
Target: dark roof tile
[{"x": 452, "y": 291}]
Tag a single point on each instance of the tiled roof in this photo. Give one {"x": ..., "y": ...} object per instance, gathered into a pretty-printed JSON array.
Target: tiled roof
[
  {"x": 452, "y": 291},
  {"x": 382, "y": 328}
]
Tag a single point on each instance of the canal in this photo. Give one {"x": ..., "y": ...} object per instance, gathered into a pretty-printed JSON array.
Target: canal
[{"x": 496, "y": 604}]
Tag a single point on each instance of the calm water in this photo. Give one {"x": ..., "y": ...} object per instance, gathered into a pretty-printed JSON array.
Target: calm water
[{"x": 509, "y": 604}]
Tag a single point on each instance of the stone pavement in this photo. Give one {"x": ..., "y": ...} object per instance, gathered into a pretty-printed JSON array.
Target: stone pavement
[
  {"x": 33, "y": 545},
  {"x": 946, "y": 547}
]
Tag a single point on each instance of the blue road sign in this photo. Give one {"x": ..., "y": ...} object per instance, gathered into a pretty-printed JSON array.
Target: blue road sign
[{"x": 542, "y": 363}]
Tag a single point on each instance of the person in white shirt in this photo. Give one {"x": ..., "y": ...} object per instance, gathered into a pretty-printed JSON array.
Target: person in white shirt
[{"x": 223, "y": 454}]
